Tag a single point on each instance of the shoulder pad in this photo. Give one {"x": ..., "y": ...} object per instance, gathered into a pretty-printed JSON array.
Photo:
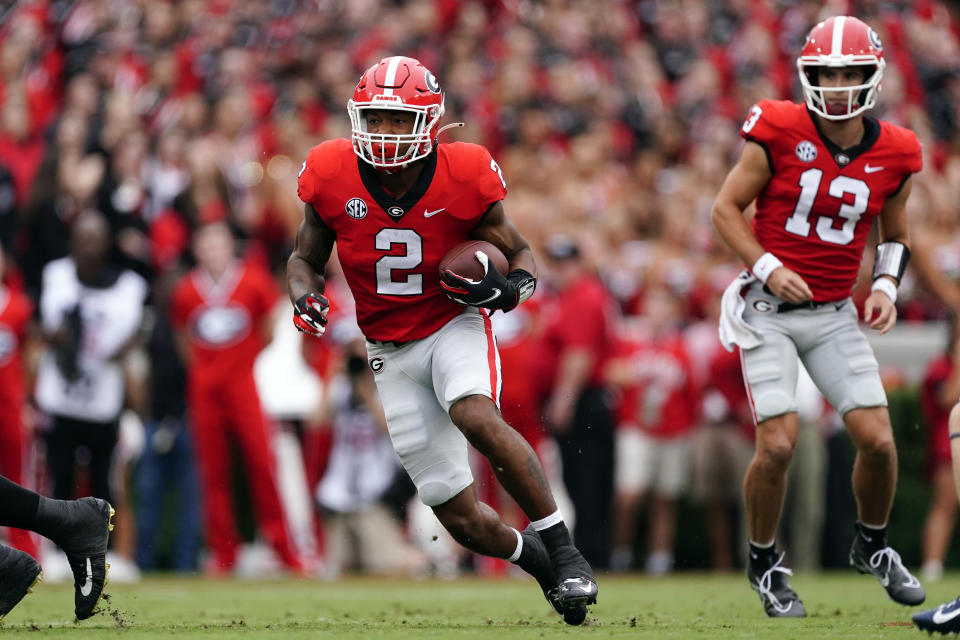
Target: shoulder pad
[
  {"x": 907, "y": 144},
  {"x": 767, "y": 118},
  {"x": 472, "y": 164},
  {"x": 323, "y": 162}
]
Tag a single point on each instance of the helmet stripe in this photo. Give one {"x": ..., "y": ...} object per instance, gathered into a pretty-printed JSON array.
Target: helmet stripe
[
  {"x": 391, "y": 75},
  {"x": 836, "y": 44}
]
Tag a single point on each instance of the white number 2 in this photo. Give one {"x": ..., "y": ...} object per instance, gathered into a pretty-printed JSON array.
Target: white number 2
[
  {"x": 798, "y": 224},
  {"x": 412, "y": 283}
]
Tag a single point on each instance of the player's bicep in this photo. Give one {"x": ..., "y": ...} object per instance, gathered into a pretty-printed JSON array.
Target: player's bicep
[
  {"x": 893, "y": 217},
  {"x": 747, "y": 178},
  {"x": 315, "y": 240},
  {"x": 497, "y": 229}
]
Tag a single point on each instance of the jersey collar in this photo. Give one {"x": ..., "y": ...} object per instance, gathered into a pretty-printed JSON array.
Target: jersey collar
[
  {"x": 871, "y": 131},
  {"x": 396, "y": 209}
]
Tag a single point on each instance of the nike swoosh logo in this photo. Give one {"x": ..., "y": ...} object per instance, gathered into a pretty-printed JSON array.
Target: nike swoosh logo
[
  {"x": 430, "y": 214},
  {"x": 88, "y": 585},
  {"x": 939, "y": 617},
  {"x": 868, "y": 169},
  {"x": 496, "y": 294}
]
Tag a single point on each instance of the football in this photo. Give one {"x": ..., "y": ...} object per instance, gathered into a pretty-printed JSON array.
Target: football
[{"x": 462, "y": 259}]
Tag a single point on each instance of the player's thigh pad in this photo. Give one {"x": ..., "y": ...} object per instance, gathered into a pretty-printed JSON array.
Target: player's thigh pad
[
  {"x": 465, "y": 359},
  {"x": 842, "y": 364},
  {"x": 431, "y": 448},
  {"x": 770, "y": 369}
]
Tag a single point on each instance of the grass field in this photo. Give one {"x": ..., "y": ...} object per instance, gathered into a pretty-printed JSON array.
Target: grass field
[{"x": 840, "y": 605}]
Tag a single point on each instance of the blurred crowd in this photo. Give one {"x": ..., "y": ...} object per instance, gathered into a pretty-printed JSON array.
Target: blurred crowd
[{"x": 156, "y": 147}]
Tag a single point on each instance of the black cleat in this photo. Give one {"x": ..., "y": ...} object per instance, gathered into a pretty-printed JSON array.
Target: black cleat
[
  {"x": 540, "y": 567},
  {"x": 778, "y": 598},
  {"x": 944, "y": 619},
  {"x": 19, "y": 574},
  {"x": 86, "y": 530},
  {"x": 577, "y": 587},
  {"x": 885, "y": 564}
]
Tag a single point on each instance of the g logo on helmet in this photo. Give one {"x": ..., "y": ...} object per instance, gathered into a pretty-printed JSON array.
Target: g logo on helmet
[
  {"x": 432, "y": 85},
  {"x": 875, "y": 40}
]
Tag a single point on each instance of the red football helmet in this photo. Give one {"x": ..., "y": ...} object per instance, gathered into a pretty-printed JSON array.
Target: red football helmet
[
  {"x": 841, "y": 41},
  {"x": 402, "y": 84}
]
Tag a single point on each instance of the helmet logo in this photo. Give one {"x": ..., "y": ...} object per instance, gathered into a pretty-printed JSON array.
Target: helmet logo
[
  {"x": 432, "y": 83},
  {"x": 875, "y": 40},
  {"x": 396, "y": 212},
  {"x": 356, "y": 208},
  {"x": 807, "y": 151}
]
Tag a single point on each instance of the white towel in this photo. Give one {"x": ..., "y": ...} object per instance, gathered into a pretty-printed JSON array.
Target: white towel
[{"x": 733, "y": 328}]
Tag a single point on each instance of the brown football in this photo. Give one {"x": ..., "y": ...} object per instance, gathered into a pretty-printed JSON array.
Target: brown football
[{"x": 462, "y": 259}]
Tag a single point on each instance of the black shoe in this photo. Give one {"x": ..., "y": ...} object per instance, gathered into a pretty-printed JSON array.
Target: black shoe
[
  {"x": 778, "y": 599},
  {"x": 19, "y": 573},
  {"x": 945, "y": 618},
  {"x": 885, "y": 564},
  {"x": 85, "y": 533},
  {"x": 576, "y": 586},
  {"x": 540, "y": 567}
]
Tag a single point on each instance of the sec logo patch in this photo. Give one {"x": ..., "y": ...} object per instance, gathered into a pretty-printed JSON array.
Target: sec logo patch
[
  {"x": 806, "y": 151},
  {"x": 356, "y": 208}
]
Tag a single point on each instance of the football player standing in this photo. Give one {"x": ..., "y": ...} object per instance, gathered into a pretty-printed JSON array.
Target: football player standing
[
  {"x": 820, "y": 173},
  {"x": 394, "y": 202}
]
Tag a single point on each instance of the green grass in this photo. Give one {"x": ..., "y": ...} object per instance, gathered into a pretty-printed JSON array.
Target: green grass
[{"x": 691, "y": 605}]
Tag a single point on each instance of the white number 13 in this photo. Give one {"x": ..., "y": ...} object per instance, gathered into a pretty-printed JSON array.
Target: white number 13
[{"x": 798, "y": 224}]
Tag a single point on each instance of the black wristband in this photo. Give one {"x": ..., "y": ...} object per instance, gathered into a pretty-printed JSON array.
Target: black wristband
[{"x": 524, "y": 283}]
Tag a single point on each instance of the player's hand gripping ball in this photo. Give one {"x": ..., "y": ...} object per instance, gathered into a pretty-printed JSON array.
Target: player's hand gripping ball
[
  {"x": 472, "y": 273},
  {"x": 310, "y": 314}
]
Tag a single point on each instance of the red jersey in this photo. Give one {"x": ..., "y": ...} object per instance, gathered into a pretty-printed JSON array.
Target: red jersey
[
  {"x": 663, "y": 401},
  {"x": 937, "y": 418},
  {"x": 817, "y": 209},
  {"x": 390, "y": 249},
  {"x": 15, "y": 313},
  {"x": 222, "y": 320},
  {"x": 726, "y": 377},
  {"x": 582, "y": 316}
]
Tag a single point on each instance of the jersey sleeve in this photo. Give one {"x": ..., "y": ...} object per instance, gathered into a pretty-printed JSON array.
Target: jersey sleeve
[
  {"x": 913, "y": 152},
  {"x": 322, "y": 162},
  {"x": 473, "y": 165},
  {"x": 760, "y": 125}
]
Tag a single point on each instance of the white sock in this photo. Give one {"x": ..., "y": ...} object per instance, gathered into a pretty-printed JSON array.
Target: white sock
[
  {"x": 516, "y": 553},
  {"x": 549, "y": 521}
]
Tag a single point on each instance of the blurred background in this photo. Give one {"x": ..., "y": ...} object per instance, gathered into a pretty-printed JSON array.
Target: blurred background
[{"x": 128, "y": 127}]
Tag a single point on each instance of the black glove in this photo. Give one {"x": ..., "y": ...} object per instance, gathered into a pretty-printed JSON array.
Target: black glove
[
  {"x": 310, "y": 313},
  {"x": 493, "y": 291}
]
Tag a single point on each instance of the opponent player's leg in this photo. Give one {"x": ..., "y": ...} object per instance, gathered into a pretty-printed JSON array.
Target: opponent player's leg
[
  {"x": 946, "y": 617},
  {"x": 80, "y": 527}
]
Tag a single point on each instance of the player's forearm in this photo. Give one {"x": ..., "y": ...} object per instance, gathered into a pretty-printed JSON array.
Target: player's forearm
[
  {"x": 302, "y": 278},
  {"x": 733, "y": 229},
  {"x": 523, "y": 259}
]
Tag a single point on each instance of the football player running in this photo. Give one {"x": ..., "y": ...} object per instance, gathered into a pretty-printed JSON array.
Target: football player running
[
  {"x": 820, "y": 173},
  {"x": 394, "y": 202}
]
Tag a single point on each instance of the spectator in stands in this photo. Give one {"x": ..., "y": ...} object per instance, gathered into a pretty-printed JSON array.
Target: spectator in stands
[
  {"x": 941, "y": 388},
  {"x": 360, "y": 532},
  {"x": 657, "y": 414},
  {"x": 220, "y": 314},
  {"x": 577, "y": 342},
  {"x": 90, "y": 313}
]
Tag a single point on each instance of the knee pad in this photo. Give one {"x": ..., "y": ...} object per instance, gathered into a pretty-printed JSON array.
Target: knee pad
[{"x": 770, "y": 403}]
